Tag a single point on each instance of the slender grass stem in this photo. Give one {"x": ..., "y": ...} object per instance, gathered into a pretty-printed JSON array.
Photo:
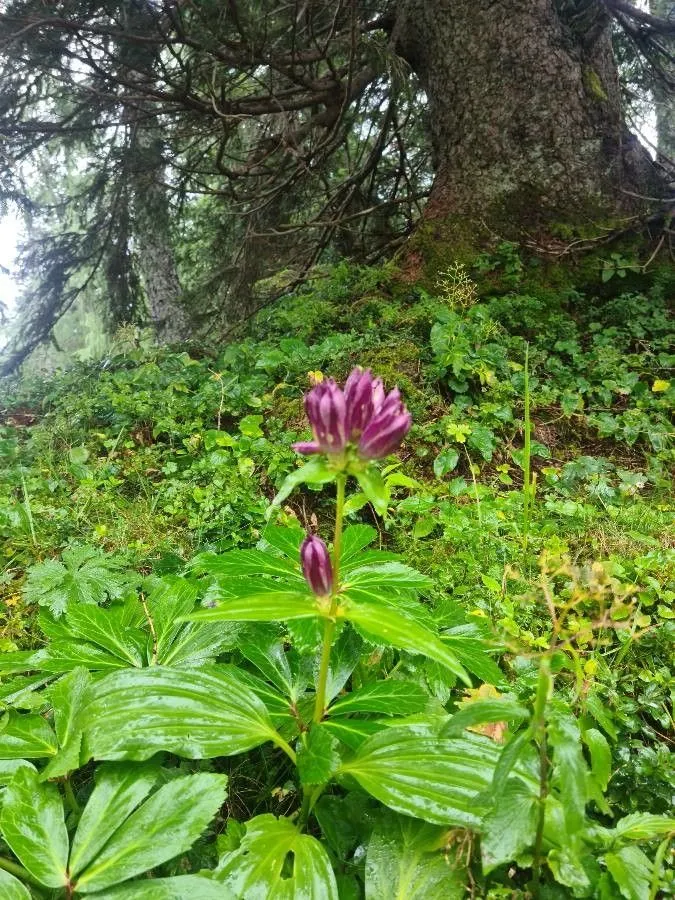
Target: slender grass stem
[
  {"x": 527, "y": 453},
  {"x": 544, "y": 687}
]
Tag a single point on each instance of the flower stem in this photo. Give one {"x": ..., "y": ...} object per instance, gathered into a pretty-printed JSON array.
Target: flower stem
[
  {"x": 544, "y": 688},
  {"x": 329, "y": 627}
]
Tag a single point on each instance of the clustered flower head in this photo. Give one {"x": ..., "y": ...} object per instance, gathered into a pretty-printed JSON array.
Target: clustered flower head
[
  {"x": 360, "y": 414},
  {"x": 316, "y": 565}
]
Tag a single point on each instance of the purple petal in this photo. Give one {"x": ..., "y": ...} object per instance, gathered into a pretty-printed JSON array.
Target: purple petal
[
  {"x": 384, "y": 434},
  {"x": 307, "y": 447}
]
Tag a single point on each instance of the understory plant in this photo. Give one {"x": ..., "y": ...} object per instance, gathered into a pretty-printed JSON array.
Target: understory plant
[{"x": 392, "y": 757}]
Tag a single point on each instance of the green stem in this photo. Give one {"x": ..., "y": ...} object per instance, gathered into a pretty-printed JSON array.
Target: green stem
[
  {"x": 71, "y": 799},
  {"x": 539, "y": 725},
  {"x": 329, "y": 627},
  {"x": 285, "y": 746},
  {"x": 19, "y": 872}
]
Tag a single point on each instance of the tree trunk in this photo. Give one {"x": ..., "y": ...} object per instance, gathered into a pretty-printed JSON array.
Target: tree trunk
[
  {"x": 663, "y": 102},
  {"x": 524, "y": 112},
  {"x": 156, "y": 259}
]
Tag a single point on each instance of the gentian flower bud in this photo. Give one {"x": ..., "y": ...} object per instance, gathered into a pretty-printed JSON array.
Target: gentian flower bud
[
  {"x": 364, "y": 396},
  {"x": 386, "y": 429},
  {"x": 316, "y": 565},
  {"x": 327, "y": 413}
]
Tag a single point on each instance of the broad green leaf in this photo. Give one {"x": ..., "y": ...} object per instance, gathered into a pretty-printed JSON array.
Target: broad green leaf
[
  {"x": 265, "y": 606},
  {"x": 168, "y": 598},
  {"x": 631, "y": 869},
  {"x": 388, "y": 575},
  {"x": 569, "y": 767},
  {"x": 473, "y": 655},
  {"x": 67, "y": 697},
  {"x": 601, "y": 756},
  {"x": 11, "y": 888},
  {"x": 198, "y": 643},
  {"x": 479, "y": 712},
  {"x": 180, "y": 887},
  {"x": 568, "y": 868},
  {"x": 194, "y": 713},
  {"x": 318, "y": 758},
  {"x": 102, "y": 627},
  {"x": 389, "y": 627},
  {"x": 435, "y": 779},
  {"x": 510, "y": 827},
  {"x": 20, "y": 661},
  {"x": 119, "y": 789},
  {"x": 406, "y": 861},
  {"x": 33, "y": 826},
  {"x": 241, "y": 563},
  {"x": 263, "y": 647},
  {"x": 344, "y": 658},
  {"x": 313, "y": 472},
  {"x": 367, "y": 558},
  {"x": 511, "y": 754},
  {"x": 355, "y": 539},
  {"x": 445, "y": 462},
  {"x": 165, "y": 825},
  {"x": 285, "y": 539},
  {"x": 26, "y": 737},
  {"x": 63, "y": 656},
  {"x": 391, "y": 698},
  {"x": 352, "y": 732},
  {"x": 256, "y": 869},
  {"x": 375, "y": 488},
  {"x": 9, "y": 768},
  {"x": 643, "y": 827}
]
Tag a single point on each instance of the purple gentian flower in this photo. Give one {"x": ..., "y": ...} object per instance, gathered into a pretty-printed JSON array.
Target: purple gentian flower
[
  {"x": 360, "y": 414},
  {"x": 327, "y": 413},
  {"x": 316, "y": 565},
  {"x": 386, "y": 429}
]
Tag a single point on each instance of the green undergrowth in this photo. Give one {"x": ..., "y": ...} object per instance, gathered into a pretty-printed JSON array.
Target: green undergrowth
[{"x": 114, "y": 470}]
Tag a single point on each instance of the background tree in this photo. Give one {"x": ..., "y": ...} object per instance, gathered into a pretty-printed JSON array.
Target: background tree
[{"x": 315, "y": 128}]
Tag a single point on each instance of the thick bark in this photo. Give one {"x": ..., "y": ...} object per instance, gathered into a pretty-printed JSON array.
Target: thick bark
[
  {"x": 156, "y": 259},
  {"x": 524, "y": 110},
  {"x": 663, "y": 102}
]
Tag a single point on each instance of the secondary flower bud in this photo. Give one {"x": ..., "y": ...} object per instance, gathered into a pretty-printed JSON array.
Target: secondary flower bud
[
  {"x": 327, "y": 413},
  {"x": 316, "y": 565},
  {"x": 386, "y": 429}
]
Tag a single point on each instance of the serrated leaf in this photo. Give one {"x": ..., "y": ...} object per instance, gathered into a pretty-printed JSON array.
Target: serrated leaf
[
  {"x": 391, "y": 698},
  {"x": 406, "y": 861},
  {"x": 631, "y": 869},
  {"x": 194, "y": 713},
  {"x": 417, "y": 774},
  {"x": 510, "y": 827},
  {"x": 119, "y": 789},
  {"x": 165, "y": 825},
  {"x": 32, "y": 824},
  {"x": 389, "y": 627},
  {"x": 256, "y": 869},
  {"x": 317, "y": 758},
  {"x": 26, "y": 737},
  {"x": 84, "y": 575},
  {"x": 11, "y": 888}
]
